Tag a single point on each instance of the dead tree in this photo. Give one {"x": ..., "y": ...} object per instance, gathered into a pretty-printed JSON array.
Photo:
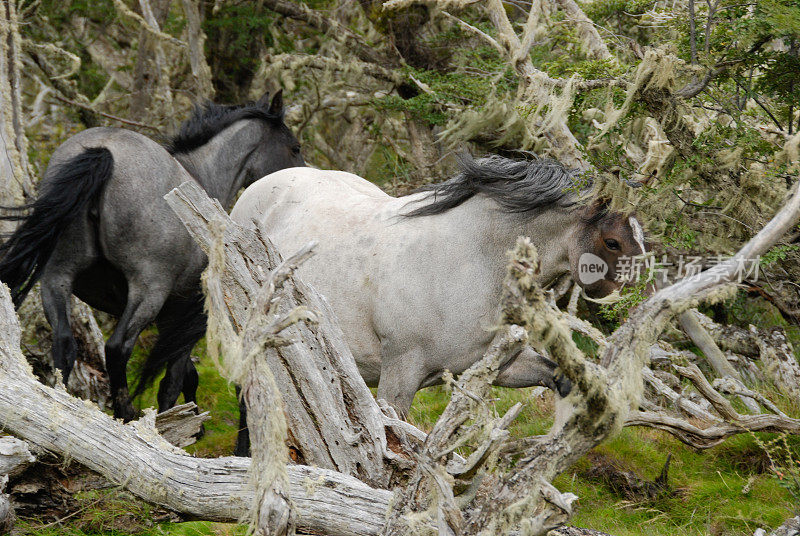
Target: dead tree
[{"x": 17, "y": 187}]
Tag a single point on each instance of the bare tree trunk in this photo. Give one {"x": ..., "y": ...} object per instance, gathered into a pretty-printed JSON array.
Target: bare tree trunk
[
  {"x": 333, "y": 418},
  {"x": 17, "y": 187},
  {"x": 151, "y": 91},
  {"x": 15, "y": 182},
  {"x": 201, "y": 72},
  {"x": 691, "y": 325}
]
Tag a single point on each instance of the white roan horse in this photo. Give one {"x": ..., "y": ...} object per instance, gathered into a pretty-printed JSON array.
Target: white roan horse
[{"x": 416, "y": 281}]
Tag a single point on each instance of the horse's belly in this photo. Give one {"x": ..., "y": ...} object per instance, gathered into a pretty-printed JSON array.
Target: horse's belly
[
  {"x": 335, "y": 278},
  {"x": 337, "y": 270},
  {"x": 110, "y": 296}
]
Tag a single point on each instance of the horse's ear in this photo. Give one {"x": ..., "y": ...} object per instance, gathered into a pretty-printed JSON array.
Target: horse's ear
[
  {"x": 595, "y": 210},
  {"x": 276, "y": 106},
  {"x": 263, "y": 102}
]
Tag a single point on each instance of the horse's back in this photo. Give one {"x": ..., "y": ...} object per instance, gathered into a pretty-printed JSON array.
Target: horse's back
[
  {"x": 310, "y": 185},
  {"x": 129, "y": 227},
  {"x": 342, "y": 213}
]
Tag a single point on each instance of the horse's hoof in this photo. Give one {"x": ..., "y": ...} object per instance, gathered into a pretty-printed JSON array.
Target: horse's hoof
[
  {"x": 127, "y": 414},
  {"x": 199, "y": 435}
]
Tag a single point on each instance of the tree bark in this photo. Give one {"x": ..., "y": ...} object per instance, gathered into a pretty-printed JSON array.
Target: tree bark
[
  {"x": 196, "y": 38},
  {"x": 152, "y": 96},
  {"x": 692, "y": 327},
  {"x": 14, "y": 457},
  {"x": 333, "y": 418}
]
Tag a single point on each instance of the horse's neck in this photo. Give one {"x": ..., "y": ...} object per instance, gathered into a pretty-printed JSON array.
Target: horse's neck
[
  {"x": 492, "y": 232},
  {"x": 220, "y": 165},
  {"x": 553, "y": 233}
]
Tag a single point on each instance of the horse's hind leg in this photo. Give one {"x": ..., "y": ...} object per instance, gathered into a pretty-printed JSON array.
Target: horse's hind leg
[
  {"x": 181, "y": 377},
  {"x": 142, "y": 307},
  {"x": 71, "y": 255},
  {"x": 56, "y": 304},
  {"x": 243, "y": 437},
  {"x": 181, "y": 323},
  {"x": 174, "y": 383}
]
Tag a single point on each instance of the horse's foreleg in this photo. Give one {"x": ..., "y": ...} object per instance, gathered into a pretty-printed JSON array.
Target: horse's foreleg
[
  {"x": 243, "y": 437},
  {"x": 56, "y": 305},
  {"x": 401, "y": 378},
  {"x": 141, "y": 309}
]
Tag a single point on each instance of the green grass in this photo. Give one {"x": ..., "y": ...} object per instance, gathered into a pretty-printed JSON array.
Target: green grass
[{"x": 723, "y": 491}]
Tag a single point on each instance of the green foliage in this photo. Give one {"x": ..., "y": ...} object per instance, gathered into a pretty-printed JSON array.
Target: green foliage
[
  {"x": 631, "y": 296},
  {"x": 423, "y": 107},
  {"x": 679, "y": 235},
  {"x": 237, "y": 35},
  {"x": 778, "y": 253},
  {"x": 588, "y": 69},
  {"x": 784, "y": 457},
  {"x": 90, "y": 78},
  {"x": 481, "y": 75}
]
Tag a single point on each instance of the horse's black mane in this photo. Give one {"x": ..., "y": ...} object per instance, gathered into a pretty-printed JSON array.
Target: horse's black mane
[
  {"x": 210, "y": 119},
  {"x": 516, "y": 185}
]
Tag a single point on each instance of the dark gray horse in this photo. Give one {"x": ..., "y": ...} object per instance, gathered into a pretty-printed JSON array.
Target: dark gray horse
[{"x": 101, "y": 229}]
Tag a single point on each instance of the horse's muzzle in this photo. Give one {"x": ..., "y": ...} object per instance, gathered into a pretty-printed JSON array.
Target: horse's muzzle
[{"x": 561, "y": 384}]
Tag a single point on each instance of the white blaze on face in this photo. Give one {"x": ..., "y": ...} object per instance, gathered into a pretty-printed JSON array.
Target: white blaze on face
[{"x": 638, "y": 233}]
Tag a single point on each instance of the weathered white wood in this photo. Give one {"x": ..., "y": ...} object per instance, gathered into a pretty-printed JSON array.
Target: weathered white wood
[
  {"x": 246, "y": 364},
  {"x": 692, "y": 327},
  {"x": 791, "y": 527},
  {"x": 180, "y": 425},
  {"x": 133, "y": 455},
  {"x": 7, "y": 517},
  {"x": 778, "y": 358},
  {"x": 14, "y": 455},
  {"x": 333, "y": 419}
]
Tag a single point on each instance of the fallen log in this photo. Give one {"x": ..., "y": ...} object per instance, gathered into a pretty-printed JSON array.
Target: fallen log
[{"x": 133, "y": 455}]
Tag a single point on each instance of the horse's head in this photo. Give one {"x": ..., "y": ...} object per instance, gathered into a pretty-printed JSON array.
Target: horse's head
[
  {"x": 604, "y": 244},
  {"x": 278, "y": 147}
]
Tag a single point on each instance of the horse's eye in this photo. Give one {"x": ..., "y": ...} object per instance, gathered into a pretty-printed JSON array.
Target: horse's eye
[
  {"x": 612, "y": 244},
  {"x": 296, "y": 150}
]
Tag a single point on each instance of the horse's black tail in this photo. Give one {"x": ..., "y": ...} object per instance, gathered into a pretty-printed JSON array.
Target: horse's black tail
[
  {"x": 26, "y": 252},
  {"x": 181, "y": 323}
]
